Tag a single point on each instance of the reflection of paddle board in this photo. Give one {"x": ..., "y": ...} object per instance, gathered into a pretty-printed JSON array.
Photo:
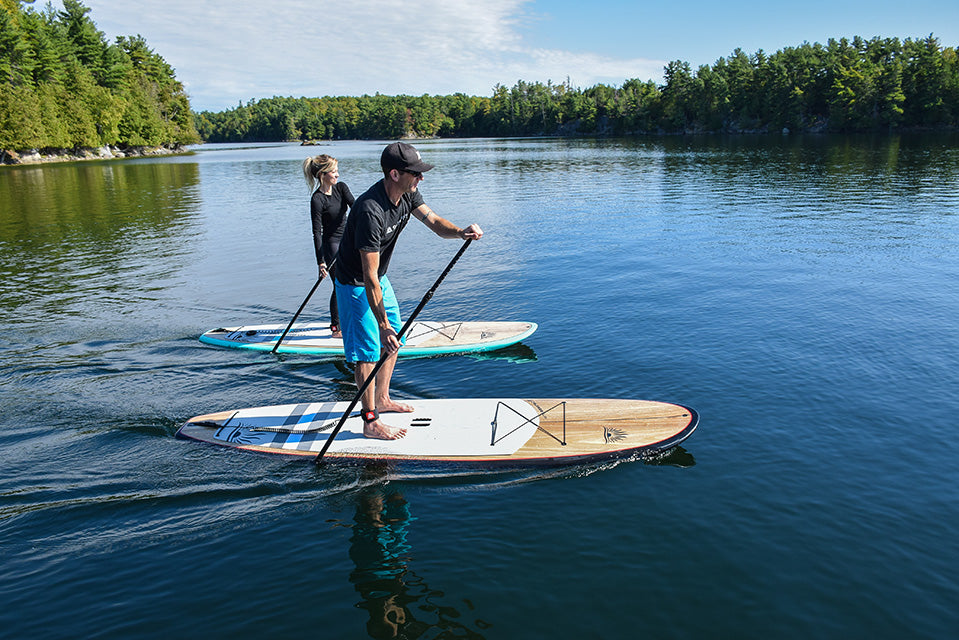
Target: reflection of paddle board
[
  {"x": 473, "y": 431},
  {"x": 422, "y": 338}
]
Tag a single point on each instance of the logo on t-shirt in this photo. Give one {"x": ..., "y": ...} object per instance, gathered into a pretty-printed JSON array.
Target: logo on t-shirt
[{"x": 402, "y": 221}]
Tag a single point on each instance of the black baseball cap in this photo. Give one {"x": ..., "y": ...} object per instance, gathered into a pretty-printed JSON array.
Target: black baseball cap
[{"x": 402, "y": 156}]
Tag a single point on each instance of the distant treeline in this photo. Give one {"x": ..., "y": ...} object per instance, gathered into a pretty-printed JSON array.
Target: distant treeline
[
  {"x": 846, "y": 85},
  {"x": 62, "y": 86}
]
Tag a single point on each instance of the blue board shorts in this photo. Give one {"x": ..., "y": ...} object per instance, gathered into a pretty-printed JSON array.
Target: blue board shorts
[{"x": 361, "y": 333}]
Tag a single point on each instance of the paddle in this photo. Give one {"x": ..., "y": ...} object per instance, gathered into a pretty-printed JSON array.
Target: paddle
[
  {"x": 298, "y": 311},
  {"x": 383, "y": 358}
]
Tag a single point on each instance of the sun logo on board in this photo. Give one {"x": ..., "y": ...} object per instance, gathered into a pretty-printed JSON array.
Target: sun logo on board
[
  {"x": 236, "y": 435},
  {"x": 611, "y": 434}
]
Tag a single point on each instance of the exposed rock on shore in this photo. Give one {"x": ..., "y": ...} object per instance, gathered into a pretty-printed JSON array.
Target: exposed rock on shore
[{"x": 38, "y": 156}]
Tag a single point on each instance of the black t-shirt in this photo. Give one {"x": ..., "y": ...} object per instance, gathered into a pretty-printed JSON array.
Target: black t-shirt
[
  {"x": 374, "y": 225},
  {"x": 328, "y": 215}
]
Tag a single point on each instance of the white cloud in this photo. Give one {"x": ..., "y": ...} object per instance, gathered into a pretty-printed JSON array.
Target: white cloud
[{"x": 226, "y": 52}]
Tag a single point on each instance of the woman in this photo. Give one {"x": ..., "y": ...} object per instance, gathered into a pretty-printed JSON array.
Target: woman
[{"x": 328, "y": 206}]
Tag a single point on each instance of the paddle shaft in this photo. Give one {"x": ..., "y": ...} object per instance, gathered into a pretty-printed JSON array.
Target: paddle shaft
[
  {"x": 300, "y": 310},
  {"x": 386, "y": 355}
]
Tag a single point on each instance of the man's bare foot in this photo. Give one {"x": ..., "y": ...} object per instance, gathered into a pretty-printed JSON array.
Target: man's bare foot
[
  {"x": 380, "y": 431},
  {"x": 394, "y": 407}
]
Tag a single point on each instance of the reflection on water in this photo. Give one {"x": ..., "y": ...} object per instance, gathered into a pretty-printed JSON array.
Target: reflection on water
[
  {"x": 517, "y": 354},
  {"x": 77, "y": 234},
  {"x": 399, "y": 602},
  {"x": 95, "y": 201}
]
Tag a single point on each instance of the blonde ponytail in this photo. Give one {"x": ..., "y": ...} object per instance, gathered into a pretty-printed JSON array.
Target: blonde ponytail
[{"x": 314, "y": 166}]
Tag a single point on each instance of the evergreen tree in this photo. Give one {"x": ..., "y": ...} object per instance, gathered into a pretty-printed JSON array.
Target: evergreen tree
[
  {"x": 16, "y": 59},
  {"x": 65, "y": 87},
  {"x": 924, "y": 80}
]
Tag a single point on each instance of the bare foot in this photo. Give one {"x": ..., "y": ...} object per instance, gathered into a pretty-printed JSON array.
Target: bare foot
[
  {"x": 393, "y": 407},
  {"x": 337, "y": 334},
  {"x": 380, "y": 431}
]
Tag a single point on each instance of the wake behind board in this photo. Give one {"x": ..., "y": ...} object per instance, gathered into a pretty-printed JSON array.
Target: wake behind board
[
  {"x": 512, "y": 432},
  {"x": 422, "y": 338}
]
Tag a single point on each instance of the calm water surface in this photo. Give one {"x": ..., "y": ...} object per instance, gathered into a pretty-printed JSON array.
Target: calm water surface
[{"x": 801, "y": 293}]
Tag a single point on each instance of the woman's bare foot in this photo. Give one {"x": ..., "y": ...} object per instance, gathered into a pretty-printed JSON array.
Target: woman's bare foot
[{"x": 380, "y": 431}]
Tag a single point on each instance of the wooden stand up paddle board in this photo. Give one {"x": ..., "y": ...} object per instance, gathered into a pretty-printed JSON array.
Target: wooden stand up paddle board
[
  {"x": 422, "y": 338},
  {"x": 494, "y": 432}
]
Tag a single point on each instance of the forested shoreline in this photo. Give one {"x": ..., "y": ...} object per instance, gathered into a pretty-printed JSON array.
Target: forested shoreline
[
  {"x": 65, "y": 92},
  {"x": 856, "y": 85}
]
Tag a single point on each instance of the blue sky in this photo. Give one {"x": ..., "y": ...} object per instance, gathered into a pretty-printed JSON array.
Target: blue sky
[{"x": 228, "y": 52}]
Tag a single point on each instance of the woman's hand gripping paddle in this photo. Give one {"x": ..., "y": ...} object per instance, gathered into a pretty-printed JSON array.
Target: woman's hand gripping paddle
[{"x": 298, "y": 311}]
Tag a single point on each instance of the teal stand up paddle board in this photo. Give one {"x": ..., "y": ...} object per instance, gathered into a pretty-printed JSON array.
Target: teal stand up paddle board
[{"x": 422, "y": 338}]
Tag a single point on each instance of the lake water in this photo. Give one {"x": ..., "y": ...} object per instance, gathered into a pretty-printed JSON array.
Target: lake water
[{"x": 802, "y": 293}]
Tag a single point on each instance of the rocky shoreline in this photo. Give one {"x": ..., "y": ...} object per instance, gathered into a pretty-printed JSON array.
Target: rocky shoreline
[{"x": 41, "y": 156}]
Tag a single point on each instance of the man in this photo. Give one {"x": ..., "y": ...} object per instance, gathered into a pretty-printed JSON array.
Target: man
[{"x": 369, "y": 313}]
